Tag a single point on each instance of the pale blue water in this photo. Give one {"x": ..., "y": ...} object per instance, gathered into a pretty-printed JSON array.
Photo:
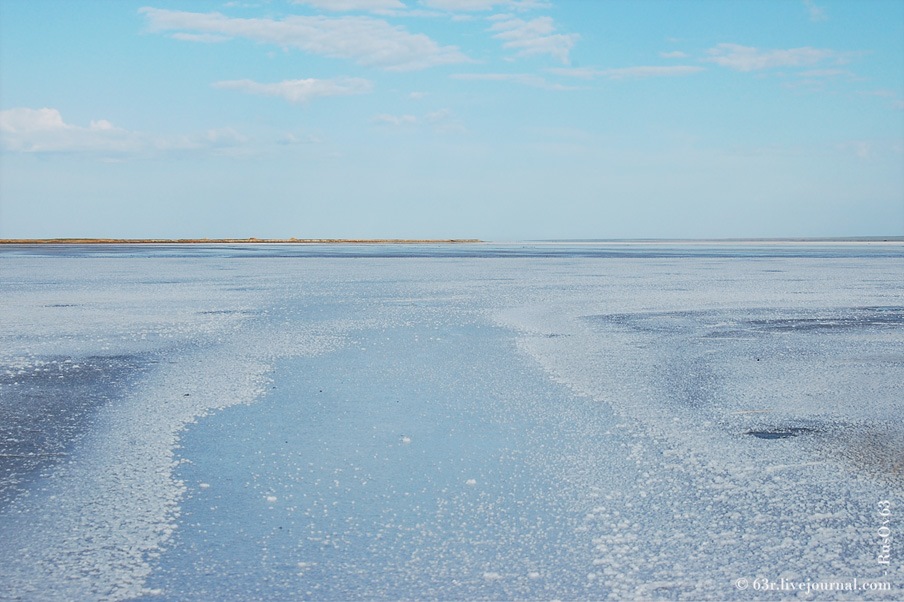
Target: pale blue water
[{"x": 522, "y": 421}]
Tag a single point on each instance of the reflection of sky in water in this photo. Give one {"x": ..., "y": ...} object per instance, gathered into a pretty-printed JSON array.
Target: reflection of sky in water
[{"x": 474, "y": 421}]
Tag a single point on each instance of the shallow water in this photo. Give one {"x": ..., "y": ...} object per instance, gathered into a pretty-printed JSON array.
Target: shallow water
[{"x": 531, "y": 421}]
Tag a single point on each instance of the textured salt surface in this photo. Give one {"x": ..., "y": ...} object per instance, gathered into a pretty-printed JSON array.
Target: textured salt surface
[
  {"x": 373, "y": 475},
  {"x": 525, "y": 422},
  {"x": 89, "y": 527},
  {"x": 46, "y": 406}
]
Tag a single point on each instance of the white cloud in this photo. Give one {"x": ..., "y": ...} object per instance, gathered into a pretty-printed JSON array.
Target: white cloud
[
  {"x": 533, "y": 37},
  {"x": 444, "y": 121},
  {"x": 221, "y": 137},
  {"x": 411, "y": 13},
  {"x": 25, "y": 130},
  {"x": 441, "y": 121},
  {"x": 395, "y": 120},
  {"x": 747, "y": 58},
  {"x": 882, "y": 92},
  {"x": 482, "y": 5},
  {"x": 651, "y": 71},
  {"x": 816, "y": 80},
  {"x": 293, "y": 138},
  {"x": 896, "y": 101},
  {"x": 863, "y": 149},
  {"x": 13, "y": 121},
  {"x": 816, "y": 13},
  {"x": 364, "y": 40},
  {"x": 628, "y": 72},
  {"x": 675, "y": 54},
  {"x": 301, "y": 90},
  {"x": 525, "y": 79},
  {"x": 204, "y": 38},
  {"x": 577, "y": 72},
  {"x": 101, "y": 124},
  {"x": 826, "y": 73},
  {"x": 342, "y": 5},
  {"x": 438, "y": 116}
]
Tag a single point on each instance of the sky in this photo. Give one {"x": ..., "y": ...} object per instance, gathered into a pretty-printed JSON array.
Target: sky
[{"x": 491, "y": 119}]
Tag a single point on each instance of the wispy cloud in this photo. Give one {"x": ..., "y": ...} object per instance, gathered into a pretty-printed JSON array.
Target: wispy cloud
[
  {"x": 204, "y": 38},
  {"x": 389, "y": 8},
  {"x": 484, "y": 5},
  {"x": 675, "y": 54},
  {"x": 440, "y": 121},
  {"x": 395, "y": 120},
  {"x": 348, "y": 5},
  {"x": 639, "y": 72},
  {"x": 862, "y": 149},
  {"x": 651, "y": 71},
  {"x": 438, "y": 116},
  {"x": 533, "y": 37},
  {"x": 300, "y": 90},
  {"x": 882, "y": 93},
  {"x": 26, "y": 130},
  {"x": 524, "y": 79},
  {"x": 365, "y": 40},
  {"x": 816, "y": 80},
  {"x": 894, "y": 97},
  {"x": 827, "y": 73},
  {"x": 296, "y": 138},
  {"x": 748, "y": 58},
  {"x": 816, "y": 13}
]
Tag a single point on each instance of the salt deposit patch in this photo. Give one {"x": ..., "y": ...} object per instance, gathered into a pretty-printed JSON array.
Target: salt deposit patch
[
  {"x": 632, "y": 478},
  {"x": 732, "y": 400},
  {"x": 91, "y": 526}
]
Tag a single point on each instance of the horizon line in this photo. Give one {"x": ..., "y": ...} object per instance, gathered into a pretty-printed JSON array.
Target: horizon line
[{"x": 293, "y": 240}]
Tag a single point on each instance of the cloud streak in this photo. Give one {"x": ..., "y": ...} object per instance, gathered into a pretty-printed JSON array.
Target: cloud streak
[
  {"x": 748, "y": 58},
  {"x": 483, "y": 5},
  {"x": 816, "y": 13},
  {"x": 300, "y": 90},
  {"x": 43, "y": 131},
  {"x": 442, "y": 121},
  {"x": 639, "y": 72},
  {"x": 524, "y": 79},
  {"x": 26, "y": 130},
  {"x": 348, "y": 5},
  {"x": 366, "y": 41},
  {"x": 529, "y": 38},
  {"x": 395, "y": 120}
]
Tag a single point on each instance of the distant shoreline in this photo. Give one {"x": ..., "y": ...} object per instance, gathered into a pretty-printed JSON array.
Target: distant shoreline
[
  {"x": 418, "y": 241},
  {"x": 214, "y": 241}
]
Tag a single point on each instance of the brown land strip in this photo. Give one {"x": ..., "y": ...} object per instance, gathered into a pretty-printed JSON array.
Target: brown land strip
[{"x": 209, "y": 241}]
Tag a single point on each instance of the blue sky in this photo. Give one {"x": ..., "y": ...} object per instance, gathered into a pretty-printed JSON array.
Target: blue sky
[{"x": 493, "y": 119}]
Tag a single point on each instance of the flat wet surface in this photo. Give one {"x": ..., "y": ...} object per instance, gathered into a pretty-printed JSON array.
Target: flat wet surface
[
  {"x": 486, "y": 422},
  {"x": 45, "y": 407},
  {"x": 369, "y": 474}
]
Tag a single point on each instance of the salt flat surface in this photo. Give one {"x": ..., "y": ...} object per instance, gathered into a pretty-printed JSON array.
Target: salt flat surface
[{"x": 536, "y": 421}]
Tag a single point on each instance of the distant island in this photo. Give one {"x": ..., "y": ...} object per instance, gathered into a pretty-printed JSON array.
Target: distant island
[{"x": 209, "y": 241}]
